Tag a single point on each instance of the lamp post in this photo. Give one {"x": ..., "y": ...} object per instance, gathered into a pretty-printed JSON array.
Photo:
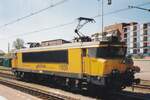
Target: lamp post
[
  {"x": 109, "y": 3},
  {"x": 102, "y": 16}
]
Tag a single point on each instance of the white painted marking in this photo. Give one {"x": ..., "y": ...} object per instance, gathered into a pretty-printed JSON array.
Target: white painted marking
[
  {"x": 57, "y": 92},
  {"x": 18, "y": 94},
  {"x": 23, "y": 96},
  {"x": 2, "y": 98}
]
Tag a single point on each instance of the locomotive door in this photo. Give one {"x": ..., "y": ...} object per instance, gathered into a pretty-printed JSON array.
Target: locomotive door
[
  {"x": 15, "y": 60},
  {"x": 86, "y": 63}
]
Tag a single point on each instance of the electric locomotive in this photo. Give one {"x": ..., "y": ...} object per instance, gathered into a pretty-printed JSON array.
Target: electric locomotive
[
  {"x": 84, "y": 63},
  {"x": 98, "y": 63}
]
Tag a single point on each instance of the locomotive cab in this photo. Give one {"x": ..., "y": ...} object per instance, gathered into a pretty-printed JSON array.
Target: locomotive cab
[{"x": 106, "y": 66}]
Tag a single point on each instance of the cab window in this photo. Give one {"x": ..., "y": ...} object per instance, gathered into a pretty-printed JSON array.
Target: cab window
[{"x": 106, "y": 52}]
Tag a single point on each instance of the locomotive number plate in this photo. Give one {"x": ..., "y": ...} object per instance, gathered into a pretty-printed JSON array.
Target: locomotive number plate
[
  {"x": 63, "y": 67},
  {"x": 40, "y": 66}
]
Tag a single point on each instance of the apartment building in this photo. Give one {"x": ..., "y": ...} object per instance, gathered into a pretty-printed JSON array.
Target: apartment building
[
  {"x": 53, "y": 42},
  {"x": 137, "y": 37},
  {"x": 115, "y": 29}
]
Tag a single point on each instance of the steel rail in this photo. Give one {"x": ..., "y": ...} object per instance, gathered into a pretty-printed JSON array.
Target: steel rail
[
  {"x": 129, "y": 96},
  {"x": 141, "y": 86},
  {"x": 34, "y": 91},
  {"x": 123, "y": 94}
]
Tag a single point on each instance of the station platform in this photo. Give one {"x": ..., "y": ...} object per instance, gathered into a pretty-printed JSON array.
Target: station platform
[
  {"x": 144, "y": 65},
  {"x": 7, "y": 93},
  {"x": 5, "y": 68},
  {"x": 143, "y": 75}
]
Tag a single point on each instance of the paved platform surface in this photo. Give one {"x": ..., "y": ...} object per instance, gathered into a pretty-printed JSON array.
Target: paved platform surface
[
  {"x": 7, "y": 93},
  {"x": 145, "y": 68},
  {"x": 143, "y": 75},
  {"x": 7, "y": 68}
]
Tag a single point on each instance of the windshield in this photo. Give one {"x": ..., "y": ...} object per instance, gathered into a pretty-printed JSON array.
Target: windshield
[{"x": 107, "y": 52}]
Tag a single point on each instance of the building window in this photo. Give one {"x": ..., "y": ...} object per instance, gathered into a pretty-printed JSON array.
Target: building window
[
  {"x": 135, "y": 51},
  {"x": 145, "y": 38},
  {"x": 145, "y": 50},
  {"x": 145, "y": 26},
  {"x": 125, "y": 40},
  {"x": 145, "y": 32},
  {"x": 134, "y": 33},
  {"x": 134, "y": 28},
  {"x": 145, "y": 44},
  {"x": 134, "y": 39},
  {"x": 134, "y": 45},
  {"x": 125, "y": 29},
  {"x": 125, "y": 35}
]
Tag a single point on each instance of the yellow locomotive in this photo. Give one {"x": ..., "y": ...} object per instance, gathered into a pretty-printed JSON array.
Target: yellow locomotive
[
  {"x": 82, "y": 64},
  {"x": 101, "y": 64}
]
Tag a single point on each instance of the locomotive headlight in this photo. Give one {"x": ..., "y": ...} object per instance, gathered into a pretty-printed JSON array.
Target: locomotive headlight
[
  {"x": 114, "y": 71},
  {"x": 98, "y": 78}
]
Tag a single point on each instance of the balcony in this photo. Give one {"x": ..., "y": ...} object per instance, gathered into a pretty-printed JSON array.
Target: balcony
[
  {"x": 134, "y": 28},
  {"x": 125, "y": 30},
  {"x": 134, "y": 33},
  {"x": 125, "y": 35},
  {"x": 134, "y": 51},
  {"x": 145, "y": 38},
  {"x": 134, "y": 39},
  {"x": 145, "y": 50},
  {"x": 145, "y": 32},
  {"x": 145, "y": 26},
  {"x": 125, "y": 40},
  {"x": 145, "y": 45},
  {"x": 134, "y": 45}
]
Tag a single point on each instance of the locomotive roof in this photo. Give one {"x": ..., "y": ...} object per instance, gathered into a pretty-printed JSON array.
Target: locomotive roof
[{"x": 66, "y": 46}]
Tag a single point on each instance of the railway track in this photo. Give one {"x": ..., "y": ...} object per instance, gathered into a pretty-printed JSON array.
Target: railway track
[
  {"x": 7, "y": 75},
  {"x": 33, "y": 91},
  {"x": 141, "y": 86},
  {"x": 9, "y": 80},
  {"x": 5, "y": 69},
  {"x": 124, "y": 95}
]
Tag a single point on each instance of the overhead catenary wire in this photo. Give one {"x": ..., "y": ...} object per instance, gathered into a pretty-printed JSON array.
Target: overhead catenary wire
[
  {"x": 65, "y": 24},
  {"x": 120, "y": 10},
  {"x": 33, "y": 13},
  {"x": 139, "y": 8},
  {"x": 41, "y": 30}
]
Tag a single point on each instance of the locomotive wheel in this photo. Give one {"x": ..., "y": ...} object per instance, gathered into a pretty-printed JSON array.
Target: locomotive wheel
[{"x": 18, "y": 75}]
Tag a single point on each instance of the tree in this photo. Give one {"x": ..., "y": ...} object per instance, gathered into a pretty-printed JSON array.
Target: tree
[
  {"x": 2, "y": 53},
  {"x": 18, "y": 43}
]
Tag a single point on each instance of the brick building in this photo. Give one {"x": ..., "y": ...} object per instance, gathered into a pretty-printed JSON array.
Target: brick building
[
  {"x": 53, "y": 42},
  {"x": 136, "y": 36},
  {"x": 116, "y": 29}
]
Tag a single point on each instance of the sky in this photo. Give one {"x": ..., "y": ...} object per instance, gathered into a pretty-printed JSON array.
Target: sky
[{"x": 64, "y": 13}]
